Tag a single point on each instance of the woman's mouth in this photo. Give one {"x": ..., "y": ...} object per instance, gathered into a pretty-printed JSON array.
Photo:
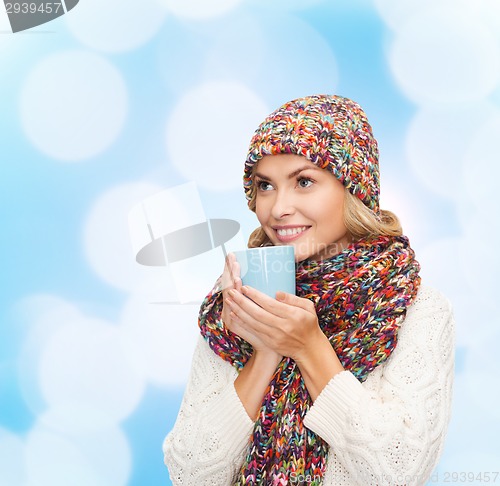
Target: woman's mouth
[{"x": 287, "y": 234}]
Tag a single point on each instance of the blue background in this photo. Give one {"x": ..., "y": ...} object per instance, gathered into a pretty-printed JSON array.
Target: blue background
[{"x": 111, "y": 104}]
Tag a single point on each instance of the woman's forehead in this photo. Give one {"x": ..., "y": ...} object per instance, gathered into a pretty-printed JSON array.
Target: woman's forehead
[{"x": 283, "y": 162}]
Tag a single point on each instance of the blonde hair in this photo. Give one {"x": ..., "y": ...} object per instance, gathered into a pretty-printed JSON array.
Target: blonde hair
[{"x": 360, "y": 221}]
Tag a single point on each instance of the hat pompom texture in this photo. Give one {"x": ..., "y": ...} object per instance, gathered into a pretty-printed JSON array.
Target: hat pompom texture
[{"x": 332, "y": 132}]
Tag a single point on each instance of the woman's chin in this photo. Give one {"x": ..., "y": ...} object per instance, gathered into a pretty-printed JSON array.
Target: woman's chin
[{"x": 301, "y": 255}]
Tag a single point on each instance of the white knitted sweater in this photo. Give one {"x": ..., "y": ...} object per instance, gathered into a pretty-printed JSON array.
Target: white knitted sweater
[{"x": 388, "y": 430}]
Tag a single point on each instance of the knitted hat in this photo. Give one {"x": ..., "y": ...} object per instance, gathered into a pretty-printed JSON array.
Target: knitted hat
[{"x": 332, "y": 132}]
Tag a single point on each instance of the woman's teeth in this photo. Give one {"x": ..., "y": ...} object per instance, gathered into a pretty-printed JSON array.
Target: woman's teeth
[{"x": 291, "y": 231}]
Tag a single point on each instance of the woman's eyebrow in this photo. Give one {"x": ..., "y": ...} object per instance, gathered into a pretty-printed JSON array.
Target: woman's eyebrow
[{"x": 291, "y": 175}]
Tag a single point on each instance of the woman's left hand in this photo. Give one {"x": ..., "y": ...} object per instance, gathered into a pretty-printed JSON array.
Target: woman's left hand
[{"x": 287, "y": 324}]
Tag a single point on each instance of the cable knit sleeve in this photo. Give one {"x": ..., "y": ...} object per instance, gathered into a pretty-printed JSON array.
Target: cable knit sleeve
[
  {"x": 207, "y": 444},
  {"x": 390, "y": 430}
]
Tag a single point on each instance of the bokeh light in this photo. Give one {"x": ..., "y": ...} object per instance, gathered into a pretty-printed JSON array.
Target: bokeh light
[
  {"x": 43, "y": 316},
  {"x": 147, "y": 337},
  {"x": 115, "y": 103},
  {"x": 433, "y": 152},
  {"x": 200, "y": 9},
  {"x": 83, "y": 363},
  {"x": 271, "y": 57},
  {"x": 87, "y": 100},
  {"x": 107, "y": 238},
  {"x": 481, "y": 167},
  {"x": 396, "y": 13},
  {"x": 97, "y": 458},
  {"x": 133, "y": 25},
  {"x": 12, "y": 464},
  {"x": 213, "y": 153},
  {"x": 445, "y": 55}
]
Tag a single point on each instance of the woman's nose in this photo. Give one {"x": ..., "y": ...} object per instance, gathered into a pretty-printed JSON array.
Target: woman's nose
[{"x": 283, "y": 205}]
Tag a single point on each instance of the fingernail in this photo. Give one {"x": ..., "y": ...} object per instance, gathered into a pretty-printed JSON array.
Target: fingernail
[{"x": 244, "y": 289}]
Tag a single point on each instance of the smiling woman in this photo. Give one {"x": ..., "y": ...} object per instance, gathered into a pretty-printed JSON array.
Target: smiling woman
[
  {"x": 359, "y": 221},
  {"x": 301, "y": 205},
  {"x": 348, "y": 382}
]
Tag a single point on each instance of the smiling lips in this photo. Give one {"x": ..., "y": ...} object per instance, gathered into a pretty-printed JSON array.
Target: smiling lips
[{"x": 289, "y": 233}]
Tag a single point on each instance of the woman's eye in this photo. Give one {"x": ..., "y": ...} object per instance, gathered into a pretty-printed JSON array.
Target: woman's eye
[
  {"x": 264, "y": 186},
  {"x": 304, "y": 182}
]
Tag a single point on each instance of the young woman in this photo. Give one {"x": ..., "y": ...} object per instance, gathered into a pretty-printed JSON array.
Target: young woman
[{"x": 349, "y": 382}]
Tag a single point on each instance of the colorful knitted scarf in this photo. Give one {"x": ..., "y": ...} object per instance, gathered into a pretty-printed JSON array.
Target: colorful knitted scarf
[{"x": 361, "y": 297}]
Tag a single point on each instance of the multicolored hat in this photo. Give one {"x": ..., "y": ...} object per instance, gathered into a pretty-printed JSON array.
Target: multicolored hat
[{"x": 332, "y": 132}]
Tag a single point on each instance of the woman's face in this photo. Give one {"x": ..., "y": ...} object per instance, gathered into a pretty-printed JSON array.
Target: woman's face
[{"x": 299, "y": 204}]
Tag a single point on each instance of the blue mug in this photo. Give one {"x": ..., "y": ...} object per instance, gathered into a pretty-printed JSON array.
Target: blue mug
[{"x": 268, "y": 268}]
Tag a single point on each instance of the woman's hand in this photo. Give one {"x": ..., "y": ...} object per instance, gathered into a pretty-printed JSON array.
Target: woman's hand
[
  {"x": 231, "y": 282},
  {"x": 253, "y": 379},
  {"x": 287, "y": 324}
]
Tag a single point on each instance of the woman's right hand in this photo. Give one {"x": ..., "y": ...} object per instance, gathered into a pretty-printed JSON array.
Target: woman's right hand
[
  {"x": 231, "y": 280},
  {"x": 254, "y": 377}
]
